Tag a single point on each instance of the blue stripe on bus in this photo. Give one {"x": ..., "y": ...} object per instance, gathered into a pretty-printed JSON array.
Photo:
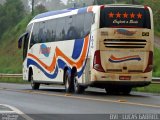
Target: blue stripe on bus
[
  {"x": 82, "y": 70},
  {"x": 61, "y": 64},
  {"x": 78, "y": 45},
  {"x": 51, "y": 76},
  {"x": 82, "y": 10}
]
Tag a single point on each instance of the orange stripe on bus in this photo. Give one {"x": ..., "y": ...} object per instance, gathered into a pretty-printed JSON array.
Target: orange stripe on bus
[{"x": 114, "y": 58}]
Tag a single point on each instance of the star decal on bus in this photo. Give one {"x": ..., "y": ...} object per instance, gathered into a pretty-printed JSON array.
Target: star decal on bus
[
  {"x": 139, "y": 15},
  {"x": 132, "y": 15},
  {"x": 125, "y": 15},
  {"x": 118, "y": 15},
  {"x": 111, "y": 15}
]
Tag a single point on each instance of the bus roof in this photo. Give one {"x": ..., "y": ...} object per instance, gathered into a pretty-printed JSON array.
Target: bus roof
[
  {"x": 79, "y": 10},
  {"x": 124, "y": 5},
  {"x": 51, "y": 13}
]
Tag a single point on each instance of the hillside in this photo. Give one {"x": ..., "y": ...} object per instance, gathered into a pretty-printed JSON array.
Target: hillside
[{"x": 11, "y": 56}]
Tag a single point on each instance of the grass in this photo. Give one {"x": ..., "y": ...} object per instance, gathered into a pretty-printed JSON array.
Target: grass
[
  {"x": 156, "y": 70},
  {"x": 152, "y": 88},
  {"x": 13, "y": 80}
]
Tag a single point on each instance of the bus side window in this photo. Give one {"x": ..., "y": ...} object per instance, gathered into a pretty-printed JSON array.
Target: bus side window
[
  {"x": 34, "y": 36},
  {"x": 79, "y": 25},
  {"x": 67, "y": 29},
  {"x": 47, "y": 31},
  {"x": 41, "y": 32},
  {"x": 88, "y": 23},
  {"x": 52, "y": 28},
  {"x": 59, "y": 29},
  {"x": 32, "y": 41}
]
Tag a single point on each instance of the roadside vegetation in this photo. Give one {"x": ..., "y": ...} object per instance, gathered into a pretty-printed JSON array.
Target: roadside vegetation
[
  {"x": 156, "y": 70},
  {"x": 152, "y": 88},
  {"x": 154, "y": 4},
  {"x": 13, "y": 80},
  {"x": 11, "y": 56}
]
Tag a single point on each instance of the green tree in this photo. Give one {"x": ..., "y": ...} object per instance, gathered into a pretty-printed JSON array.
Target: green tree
[
  {"x": 11, "y": 13},
  {"x": 101, "y": 2},
  {"x": 1, "y": 19},
  {"x": 39, "y": 9}
]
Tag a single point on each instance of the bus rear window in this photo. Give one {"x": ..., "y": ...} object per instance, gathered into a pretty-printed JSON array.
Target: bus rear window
[{"x": 125, "y": 17}]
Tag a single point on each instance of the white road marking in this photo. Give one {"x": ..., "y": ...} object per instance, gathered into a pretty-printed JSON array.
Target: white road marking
[{"x": 16, "y": 111}]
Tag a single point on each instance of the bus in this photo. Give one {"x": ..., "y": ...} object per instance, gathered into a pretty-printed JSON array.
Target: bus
[{"x": 103, "y": 46}]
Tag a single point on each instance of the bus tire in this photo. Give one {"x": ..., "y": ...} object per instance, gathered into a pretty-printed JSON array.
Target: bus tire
[
  {"x": 111, "y": 92},
  {"x": 118, "y": 91},
  {"x": 126, "y": 91},
  {"x": 68, "y": 83},
  {"x": 34, "y": 85},
  {"x": 78, "y": 89}
]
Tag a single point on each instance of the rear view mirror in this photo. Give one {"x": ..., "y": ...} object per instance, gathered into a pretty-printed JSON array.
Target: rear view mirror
[{"x": 20, "y": 40}]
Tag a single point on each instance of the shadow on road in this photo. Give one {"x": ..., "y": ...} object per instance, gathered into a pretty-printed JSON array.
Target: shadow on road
[{"x": 93, "y": 92}]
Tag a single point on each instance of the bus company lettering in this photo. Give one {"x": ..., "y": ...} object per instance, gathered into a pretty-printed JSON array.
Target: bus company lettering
[
  {"x": 119, "y": 22},
  {"x": 125, "y": 22},
  {"x": 133, "y": 22},
  {"x": 45, "y": 50},
  {"x": 125, "y": 32}
]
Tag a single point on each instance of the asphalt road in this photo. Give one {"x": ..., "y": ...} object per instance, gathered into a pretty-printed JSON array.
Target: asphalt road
[{"x": 53, "y": 103}]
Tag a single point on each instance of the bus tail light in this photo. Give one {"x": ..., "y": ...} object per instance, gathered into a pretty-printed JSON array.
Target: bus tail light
[
  {"x": 150, "y": 63},
  {"x": 102, "y": 7},
  {"x": 97, "y": 62},
  {"x": 146, "y": 7}
]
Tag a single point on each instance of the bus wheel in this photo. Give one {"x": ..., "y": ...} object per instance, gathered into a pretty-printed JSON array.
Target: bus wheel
[
  {"x": 126, "y": 91},
  {"x": 118, "y": 91},
  {"x": 68, "y": 83},
  {"x": 34, "y": 85},
  {"x": 111, "y": 92},
  {"x": 77, "y": 88}
]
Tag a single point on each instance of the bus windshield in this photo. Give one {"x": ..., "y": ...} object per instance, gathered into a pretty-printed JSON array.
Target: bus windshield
[{"x": 125, "y": 17}]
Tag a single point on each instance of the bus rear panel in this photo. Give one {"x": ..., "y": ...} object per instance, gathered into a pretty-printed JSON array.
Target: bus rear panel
[{"x": 124, "y": 55}]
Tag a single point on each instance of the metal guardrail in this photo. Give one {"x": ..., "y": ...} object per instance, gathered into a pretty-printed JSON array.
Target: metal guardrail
[
  {"x": 10, "y": 75},
  {"x": 155, "y": 80}
]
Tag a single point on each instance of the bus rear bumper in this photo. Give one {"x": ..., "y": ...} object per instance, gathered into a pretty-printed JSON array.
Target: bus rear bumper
[
  {"x": 103, "y": 80},
  {"x": 105, "y": 84}
]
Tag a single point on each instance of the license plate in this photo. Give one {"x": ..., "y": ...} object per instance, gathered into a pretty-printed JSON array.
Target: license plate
[{"x": 124, "y": 77}]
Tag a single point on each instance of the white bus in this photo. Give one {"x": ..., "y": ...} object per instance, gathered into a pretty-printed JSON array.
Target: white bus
[{"x": 104, "y": 46}]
